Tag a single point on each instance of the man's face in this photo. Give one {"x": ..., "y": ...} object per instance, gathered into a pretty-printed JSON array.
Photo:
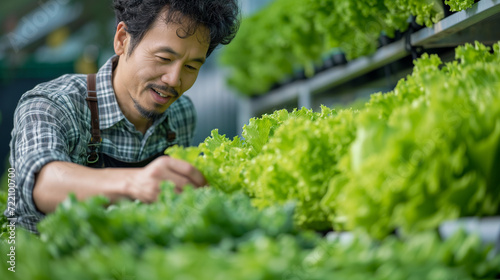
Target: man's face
[{"x": 160, "y": 69}]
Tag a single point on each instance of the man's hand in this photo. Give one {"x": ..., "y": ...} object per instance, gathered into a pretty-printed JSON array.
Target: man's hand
[
  {"x": 58, "y": 179},
  {"x": 144, "y": 185}
]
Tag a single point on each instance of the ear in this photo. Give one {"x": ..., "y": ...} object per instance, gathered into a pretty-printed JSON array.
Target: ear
[{"x": 122, "y": 39}]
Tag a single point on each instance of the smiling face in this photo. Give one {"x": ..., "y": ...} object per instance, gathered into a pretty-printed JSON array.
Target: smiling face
[{"x": 161, "y": 67}]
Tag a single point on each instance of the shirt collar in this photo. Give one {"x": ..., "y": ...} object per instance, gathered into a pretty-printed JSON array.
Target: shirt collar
[{"x": 109, "y": 111}]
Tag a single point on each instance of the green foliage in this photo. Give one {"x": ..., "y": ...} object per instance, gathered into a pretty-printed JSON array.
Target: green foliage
[
  {"x": 208, "y": 234},
  {"x": 424, "y": 256},
  {"x": 409, "y": 159},
  {"x": 87, "y": 240},
  {"x": 283, "y": 157},
  {"x": 297, "y": 163},
  {"x": 221, "y": 168},
  {"x": 295, "y": 34},
  {"x": 459, "y": 5},
  {"x": 427, "y": 151},
  {"x": 203, "y": 216}
]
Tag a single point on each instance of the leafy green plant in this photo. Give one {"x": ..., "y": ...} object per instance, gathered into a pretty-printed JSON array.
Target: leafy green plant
[
  {"x": 459, "y": 5},
  {"x": 288, "y": 35},
  {"x": 283, "y": 157},
  {"x": 203, "y": 216},
  {"x": 424, "y": 256},
  {"x": 427, "y": 151},
  {"x": 409, "y": 159}
]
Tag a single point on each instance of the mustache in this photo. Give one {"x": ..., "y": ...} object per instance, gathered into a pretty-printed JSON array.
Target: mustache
[{"x": 164, "y": 89}]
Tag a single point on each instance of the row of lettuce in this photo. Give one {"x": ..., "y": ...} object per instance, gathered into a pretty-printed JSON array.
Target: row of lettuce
[
  {"x": 298, "y": 34},
  {"x": 424, "y": 153},
  {"x": 209, "y": 234}
]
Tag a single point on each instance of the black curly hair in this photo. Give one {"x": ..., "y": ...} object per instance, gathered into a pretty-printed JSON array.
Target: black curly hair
[{"x": 221, "y": 17}]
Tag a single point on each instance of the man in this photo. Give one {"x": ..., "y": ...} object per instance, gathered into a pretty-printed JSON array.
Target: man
[{"x": 104, "y": 135}]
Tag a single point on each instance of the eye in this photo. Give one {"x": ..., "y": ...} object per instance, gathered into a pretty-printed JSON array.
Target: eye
[
  {"x": 191, "y": 67},
  {"x": 164, "y": 59}
]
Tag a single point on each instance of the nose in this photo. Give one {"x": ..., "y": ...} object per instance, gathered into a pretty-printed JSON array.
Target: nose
[{"x": 172, "y": 76}]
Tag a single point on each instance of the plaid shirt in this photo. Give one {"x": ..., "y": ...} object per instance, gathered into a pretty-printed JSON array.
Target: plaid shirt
[{"x": 52, "y": 123}]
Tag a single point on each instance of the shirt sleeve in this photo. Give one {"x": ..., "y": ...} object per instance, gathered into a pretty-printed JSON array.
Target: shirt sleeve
[{"x": 42, "y": 126}]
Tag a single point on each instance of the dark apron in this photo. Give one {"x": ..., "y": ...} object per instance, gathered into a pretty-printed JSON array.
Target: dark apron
[{"x": 97, "y": 159}]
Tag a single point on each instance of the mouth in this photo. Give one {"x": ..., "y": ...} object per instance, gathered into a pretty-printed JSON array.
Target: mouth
[
  {"x": 161, "y": 98},
  {"x": 161, "y": 94}
]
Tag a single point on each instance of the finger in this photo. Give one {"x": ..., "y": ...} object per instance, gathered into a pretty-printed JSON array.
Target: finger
[
  {"x": 178, "y": 180},
  {"x": 185, "y": 169},
  {"x": 147, "y": 193},
  {"x": 142, "y": 187},
  {"x": 178, "y": 171}
]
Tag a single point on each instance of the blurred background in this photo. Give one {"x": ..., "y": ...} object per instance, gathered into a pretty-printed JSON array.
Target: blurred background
[{"x": 41, "y": 40}]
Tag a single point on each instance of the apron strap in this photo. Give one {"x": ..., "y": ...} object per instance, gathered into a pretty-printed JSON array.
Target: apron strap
[
  {"x": 171, "y": 135},
  {"x": 94, "y": 158},
  {"x": 95, "y": 139}
]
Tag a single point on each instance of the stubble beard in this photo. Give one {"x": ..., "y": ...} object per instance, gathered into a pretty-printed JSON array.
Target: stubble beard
[
  {"x": 151, "y": 114},
  {"x": 145, "y": 113}
]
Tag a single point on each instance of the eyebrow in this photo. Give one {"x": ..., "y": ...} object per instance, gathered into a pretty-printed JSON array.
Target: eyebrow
[{"x": 171, "y": 51}]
